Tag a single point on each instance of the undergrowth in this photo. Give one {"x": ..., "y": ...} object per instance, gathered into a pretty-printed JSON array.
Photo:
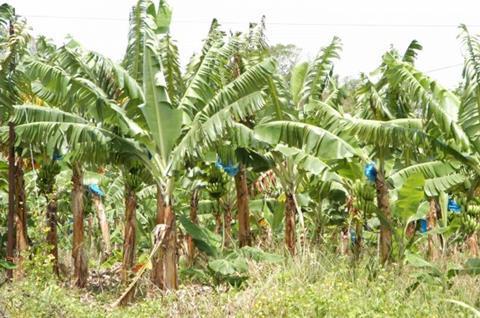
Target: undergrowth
[{"x": 312, "y": 285}]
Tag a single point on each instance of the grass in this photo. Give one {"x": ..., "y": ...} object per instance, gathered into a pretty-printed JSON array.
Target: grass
[{"x": 313, "y": 285}]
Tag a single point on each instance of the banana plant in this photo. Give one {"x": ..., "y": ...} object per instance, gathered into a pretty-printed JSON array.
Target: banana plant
[
  {"x": 179, "y": 125},
  {"x": 15, "y": 36},
  {"x": 309, "y": 82}
]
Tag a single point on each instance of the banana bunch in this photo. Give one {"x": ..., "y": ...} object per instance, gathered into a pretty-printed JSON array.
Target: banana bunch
[
  {"x": 469, "y": 219},
  {"x": 134, "y": 178},
  {"x": 469, "y": 223},
  {"x": 217, "y": 182},
  {"x": 363, "y": 191},
  {"x": 365, "y": 197},
  {"x": 474, "y": 210},
  {"x": 46, "y": 177}
]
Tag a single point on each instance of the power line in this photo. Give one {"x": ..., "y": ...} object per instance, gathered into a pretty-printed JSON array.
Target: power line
[
  {"x": 363, "y": 25},
  {"x": 74, "y": 18},
  {"x": 366, "y": 25},
  {"x": 444, "y": 68}
]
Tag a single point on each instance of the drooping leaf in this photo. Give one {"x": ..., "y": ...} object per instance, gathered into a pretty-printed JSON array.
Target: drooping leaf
[
  {"x": 205, "y": 240},
  {"x": 435, "y": 186},
  {"x": 409, "y": 196},
  {"x": 311, "y": 139},
  {"x": 431, "y": 169}
]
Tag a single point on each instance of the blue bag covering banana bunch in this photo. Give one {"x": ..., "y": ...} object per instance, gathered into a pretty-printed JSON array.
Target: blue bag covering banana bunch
[
  {"x": 370, "y": 172},
  {"x": 95, "y": 189}
]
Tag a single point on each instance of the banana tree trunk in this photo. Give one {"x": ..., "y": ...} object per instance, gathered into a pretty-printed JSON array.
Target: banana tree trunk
[
  {"x": 290, "y": 212},
  {"x": 194, "y": 220},
  {"x": 218, "y": 222},
  {"x": 357, "y": 244},
  {"x": 432, "y": 239},
  {"x": 386, "y": 216},
  {"x": 89, "y": 237},
  {"x": 170, "y": 276},
  {"x": 104, "y": 228},
  {"x": 227, "y": 225},
  {"x": 410, "y": 232},
  {"x": 21, "y": 216},
  {"x": 129, "y": 238},
  {"x": 11, "y": 198},
  {"x": 78, "y": 253},
  {"x": 357, "y": 223},
  {"x": 129, "y": 232},
  {"x": 157, "y": 262},
  {"x": 472, "y": 243},
  {"x": 242, "y": 207},
  {"x": 11, "y": 171},
  {"x": 52, "y": 237}
]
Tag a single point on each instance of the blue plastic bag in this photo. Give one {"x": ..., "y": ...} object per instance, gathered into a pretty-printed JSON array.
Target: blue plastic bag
[
  {"x": 423, "y": 226},
  {"x": 95, "y": 189},
  {"x": 453, "y": 206},
  {"x": 229, "y": 169},
  {"x": 370, "y": 172}
]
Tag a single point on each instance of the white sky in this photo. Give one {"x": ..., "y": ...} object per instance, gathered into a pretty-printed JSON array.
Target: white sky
[{"x": 305, "y": 23}]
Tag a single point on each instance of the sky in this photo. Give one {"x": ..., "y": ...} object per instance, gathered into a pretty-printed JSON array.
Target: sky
[{"x": 367, "y": 28}]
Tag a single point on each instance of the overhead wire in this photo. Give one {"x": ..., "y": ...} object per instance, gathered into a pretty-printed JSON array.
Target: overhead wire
[
  {"x": 365, "y": 25},
  {"x": 368, "y": 25},
  {"x": 444, "y": 68}
]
